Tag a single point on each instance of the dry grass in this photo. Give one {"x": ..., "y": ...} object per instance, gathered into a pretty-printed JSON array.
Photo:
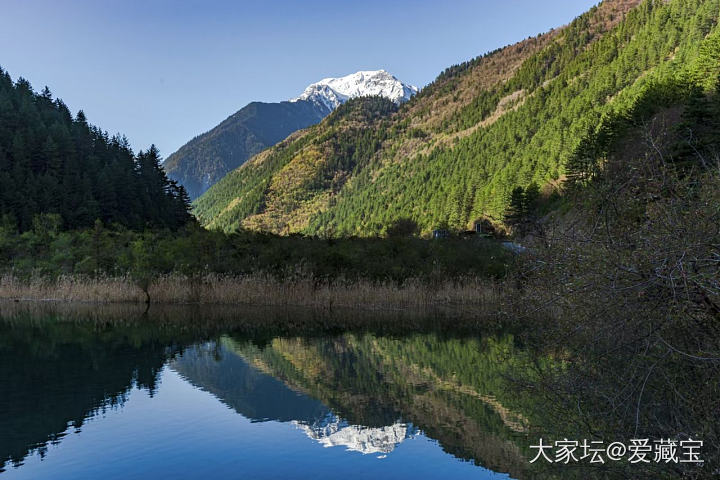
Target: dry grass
[
  {"x": 71, "y": 289},
  {"x": 257, "y": 290}
]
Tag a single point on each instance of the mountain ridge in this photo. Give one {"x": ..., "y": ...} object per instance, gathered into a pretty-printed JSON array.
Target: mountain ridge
[
  {"x": 454, "y": 152},
  {"x": 205, "y": 159},
  {"x": 334, "y": 91}
]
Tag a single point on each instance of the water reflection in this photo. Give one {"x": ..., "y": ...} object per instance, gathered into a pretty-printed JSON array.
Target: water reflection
[
  {"x": 332, "y": 431},
  {"x": 55, "y": 377},
  {"x": 219, "y": 369},
  {"x": 255, "y": 395},
  {"x": 367, "y": 394},
  {"x": 117, "y": 392}
]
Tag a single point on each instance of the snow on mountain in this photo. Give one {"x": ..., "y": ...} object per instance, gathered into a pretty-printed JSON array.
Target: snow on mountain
[
  {"x": 332, "y": 92},
  {"x": 333, "y": 431}
]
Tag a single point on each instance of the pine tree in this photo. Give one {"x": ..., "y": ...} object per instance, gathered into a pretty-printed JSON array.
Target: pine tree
[
  {"x": 517, "y": 208},
  {"x": 51, "y": 162},
  {"x": 531, "y": 199}
]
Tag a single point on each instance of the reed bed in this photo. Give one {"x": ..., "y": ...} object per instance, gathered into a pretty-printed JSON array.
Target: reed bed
[{"x": 256, "y": 289}]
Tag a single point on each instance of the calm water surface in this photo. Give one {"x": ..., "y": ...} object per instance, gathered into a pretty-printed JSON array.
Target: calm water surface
[{"x": 92, "y": 395}]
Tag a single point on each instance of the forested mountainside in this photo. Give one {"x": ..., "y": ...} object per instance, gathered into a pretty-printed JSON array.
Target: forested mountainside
[
  {"x": 205, "y": 159},
  {"x": 52, "y": 163},
  {"x": 456, "y": 151}
]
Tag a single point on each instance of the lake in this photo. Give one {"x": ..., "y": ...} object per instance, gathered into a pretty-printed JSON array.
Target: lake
[{"x": 118, "y": 393}]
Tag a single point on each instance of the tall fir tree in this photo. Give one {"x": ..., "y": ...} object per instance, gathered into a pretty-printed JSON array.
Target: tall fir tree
[{"x": 52, "y": 163}]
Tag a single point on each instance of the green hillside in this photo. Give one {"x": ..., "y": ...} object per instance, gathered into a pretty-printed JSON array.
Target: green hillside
[
  {"x": 208, "y": 157},
  {"x": 456, "y": 151}
]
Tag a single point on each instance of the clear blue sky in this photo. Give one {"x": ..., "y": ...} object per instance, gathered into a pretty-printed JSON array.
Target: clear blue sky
[{"x": 163, "y": 71}]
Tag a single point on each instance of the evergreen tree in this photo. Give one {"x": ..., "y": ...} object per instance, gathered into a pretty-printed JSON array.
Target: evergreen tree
[
  {"x": 53, "y": 163},
  {"x": 517, "y": 207},
  {"x": 532, "y": 197}
]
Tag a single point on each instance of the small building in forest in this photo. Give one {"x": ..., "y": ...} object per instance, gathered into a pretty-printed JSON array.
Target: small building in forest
[
  {"x": 440, "y": 233},
  {"x": 485, "y": 227}
]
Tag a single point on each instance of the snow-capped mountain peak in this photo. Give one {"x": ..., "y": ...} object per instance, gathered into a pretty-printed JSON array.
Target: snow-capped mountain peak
[{"x": 332, "y": 92}]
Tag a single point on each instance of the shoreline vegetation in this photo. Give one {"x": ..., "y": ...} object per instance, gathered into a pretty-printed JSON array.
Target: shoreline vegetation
[
  {"x": 110, "y": 264},
  {"x": 259, "y": 290}
]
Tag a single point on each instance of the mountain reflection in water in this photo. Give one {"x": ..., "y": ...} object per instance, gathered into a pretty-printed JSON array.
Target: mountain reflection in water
[
  {"x": 106, "y": 393},
  {"x": 258, "y": 396},
  {"x": 333, "y": 432}
]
